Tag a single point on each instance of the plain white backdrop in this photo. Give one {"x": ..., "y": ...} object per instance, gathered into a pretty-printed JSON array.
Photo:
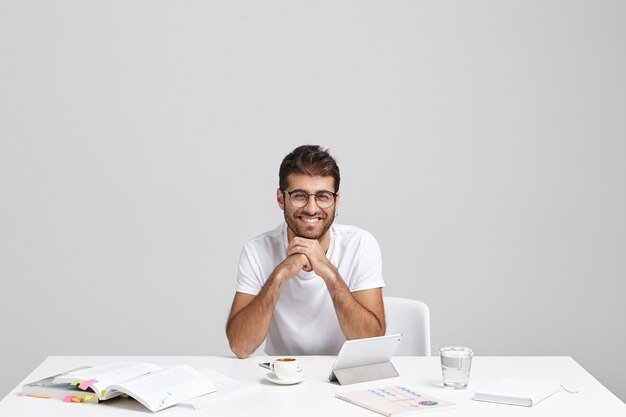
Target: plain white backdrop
[{"x": 483, "y": 143}]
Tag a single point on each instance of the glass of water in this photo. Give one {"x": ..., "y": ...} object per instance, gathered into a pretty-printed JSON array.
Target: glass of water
[{"x": 456, "y": 363}]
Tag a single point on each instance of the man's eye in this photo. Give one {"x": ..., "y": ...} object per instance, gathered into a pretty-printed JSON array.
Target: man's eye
[
  {"x": 323, "y": 197},
  {"x": 299, "y": 196}
]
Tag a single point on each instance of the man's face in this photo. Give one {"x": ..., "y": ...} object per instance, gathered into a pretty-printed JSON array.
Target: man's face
[{"x": 310, "y": 221}]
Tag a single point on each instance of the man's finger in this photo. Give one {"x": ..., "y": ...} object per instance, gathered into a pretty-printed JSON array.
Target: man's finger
[
  {"x": 297, "y": 249},
  {"x": 306, "y": 263},
  {"x": 303, "y": 239},
  {"x": 294, "y": 244},
  {"x": 294, "y": 251},
  {"x": 304, "y": 242}
]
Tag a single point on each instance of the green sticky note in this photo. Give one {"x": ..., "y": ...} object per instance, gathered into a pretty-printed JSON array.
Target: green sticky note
[
  {"x": 102, "y": 393},
  {"x": 88, "y": 397},
  {"x": 74, "y": 383}
]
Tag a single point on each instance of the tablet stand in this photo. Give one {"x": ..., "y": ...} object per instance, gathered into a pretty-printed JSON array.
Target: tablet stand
[{"x": 364, "y": 373}]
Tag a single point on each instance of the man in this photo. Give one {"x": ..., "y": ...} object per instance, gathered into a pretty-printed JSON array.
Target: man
[{"x": 309, "y": 284}]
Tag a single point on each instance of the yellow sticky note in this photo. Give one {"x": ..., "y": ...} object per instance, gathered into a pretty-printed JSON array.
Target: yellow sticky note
[
  {"x": 77, "y": 400},
  {"x": 88, "y": 397},
  {"x": 74, "y": 383}
]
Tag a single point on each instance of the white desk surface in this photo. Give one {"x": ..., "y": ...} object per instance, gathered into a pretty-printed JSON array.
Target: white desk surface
[{"x": 315, "y": 396}]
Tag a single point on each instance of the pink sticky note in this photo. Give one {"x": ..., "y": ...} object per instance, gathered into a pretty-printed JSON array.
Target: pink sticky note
[
  {"x": 86, "y": 384},
  {"x": 67, "y": 399}
]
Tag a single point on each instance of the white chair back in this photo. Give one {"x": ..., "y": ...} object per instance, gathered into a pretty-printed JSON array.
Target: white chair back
[{"x": 412, "y": 319}]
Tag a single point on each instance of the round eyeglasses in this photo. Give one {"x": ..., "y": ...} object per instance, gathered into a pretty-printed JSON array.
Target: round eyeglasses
[{"x": 299, "y": 198}]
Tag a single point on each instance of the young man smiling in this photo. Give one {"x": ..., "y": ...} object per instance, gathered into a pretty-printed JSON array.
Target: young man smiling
[{"x": 309, "y": 284}]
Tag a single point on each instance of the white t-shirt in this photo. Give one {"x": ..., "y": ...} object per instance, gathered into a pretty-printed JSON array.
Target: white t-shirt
[{"x": 304, "y": 321}]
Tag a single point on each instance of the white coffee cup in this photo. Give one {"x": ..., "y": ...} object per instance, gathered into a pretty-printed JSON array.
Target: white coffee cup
[{"x": 285, "y": 368}]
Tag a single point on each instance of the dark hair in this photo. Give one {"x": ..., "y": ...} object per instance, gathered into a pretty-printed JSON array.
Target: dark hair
[{"x": 308, "y": 160}]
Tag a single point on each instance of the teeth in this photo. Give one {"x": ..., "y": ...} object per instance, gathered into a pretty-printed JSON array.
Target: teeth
[{"x": 307, "y": 220}]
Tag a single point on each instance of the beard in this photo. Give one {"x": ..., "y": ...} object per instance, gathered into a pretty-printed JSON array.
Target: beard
[{"x": 309, "y": 231}]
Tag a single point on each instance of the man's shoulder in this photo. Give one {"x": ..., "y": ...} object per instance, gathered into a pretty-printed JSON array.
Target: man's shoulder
[
  {"x": 355, "y": 249},
  {"x": 351, "y": 233}
]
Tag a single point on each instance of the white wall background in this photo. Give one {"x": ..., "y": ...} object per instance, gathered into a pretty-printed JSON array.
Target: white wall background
[{"x": 483, "y": 143}]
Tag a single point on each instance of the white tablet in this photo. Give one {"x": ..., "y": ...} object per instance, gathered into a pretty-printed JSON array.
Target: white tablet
[{"x": 361, "y": 352}]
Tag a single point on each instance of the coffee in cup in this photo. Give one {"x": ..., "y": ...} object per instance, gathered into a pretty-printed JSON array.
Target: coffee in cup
[{"x": 285, "y": 368}]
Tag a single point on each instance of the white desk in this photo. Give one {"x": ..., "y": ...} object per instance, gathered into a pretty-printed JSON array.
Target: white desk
[{"x": 315, "y": 396}]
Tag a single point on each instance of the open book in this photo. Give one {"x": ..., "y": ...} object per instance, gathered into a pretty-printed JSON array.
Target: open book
[
  {"x": 47, "y": 388},
  {"x": 156, "y": 387}
]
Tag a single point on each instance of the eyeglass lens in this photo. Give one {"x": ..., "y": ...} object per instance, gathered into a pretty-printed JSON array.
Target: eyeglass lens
[{"x": 324, "y": 199}]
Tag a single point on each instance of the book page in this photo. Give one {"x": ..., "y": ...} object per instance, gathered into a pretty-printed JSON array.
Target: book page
[
  {"x": 109, "y": 374},
  {"x": 228, "y": 389},
  {"x": 167, "y": 387}
]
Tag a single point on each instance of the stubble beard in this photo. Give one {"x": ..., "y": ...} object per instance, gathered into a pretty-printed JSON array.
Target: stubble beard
[{"x": 292, "y": 223}]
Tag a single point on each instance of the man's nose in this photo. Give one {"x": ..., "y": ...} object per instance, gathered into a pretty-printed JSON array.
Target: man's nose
[{"x": 311, "y": 205}]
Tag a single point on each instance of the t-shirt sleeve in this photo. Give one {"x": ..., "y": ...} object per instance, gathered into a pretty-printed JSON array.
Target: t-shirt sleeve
[
  {"x": 369, "y": 268},
  {"x": 248, "y": 276}
]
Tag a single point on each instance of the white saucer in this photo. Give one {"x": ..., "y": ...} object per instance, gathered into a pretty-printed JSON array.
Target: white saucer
[{"x": 299, "y": 377}]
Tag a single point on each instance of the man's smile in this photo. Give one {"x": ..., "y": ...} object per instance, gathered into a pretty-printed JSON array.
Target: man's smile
[{"x": 310, "y": 220}]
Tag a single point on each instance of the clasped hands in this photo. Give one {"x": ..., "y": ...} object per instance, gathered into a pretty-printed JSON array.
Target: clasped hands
[{"x": 308, "y": 255}]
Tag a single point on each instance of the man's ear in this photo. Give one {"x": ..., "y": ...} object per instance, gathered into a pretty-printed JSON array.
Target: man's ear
[{"x": 280, "y": 198}]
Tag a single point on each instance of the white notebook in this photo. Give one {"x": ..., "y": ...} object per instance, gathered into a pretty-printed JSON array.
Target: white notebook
[{"x": 517, "y": 391}]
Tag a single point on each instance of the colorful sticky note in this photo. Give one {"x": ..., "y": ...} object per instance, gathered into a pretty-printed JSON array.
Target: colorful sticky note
[
  {"x": 88, "y": 397},
  {"x": 86, "y": 384},
  {"x": 77, "y": 400},
  {"x": 102, "y": 393},
  {"x": 67, "y": 399},
  {"x": 74, "y": 382}
]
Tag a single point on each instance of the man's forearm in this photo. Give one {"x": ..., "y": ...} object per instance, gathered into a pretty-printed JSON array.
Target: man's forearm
[
  {"x": 355, "y": 321},
  {"x": 247, "y": 329}
]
